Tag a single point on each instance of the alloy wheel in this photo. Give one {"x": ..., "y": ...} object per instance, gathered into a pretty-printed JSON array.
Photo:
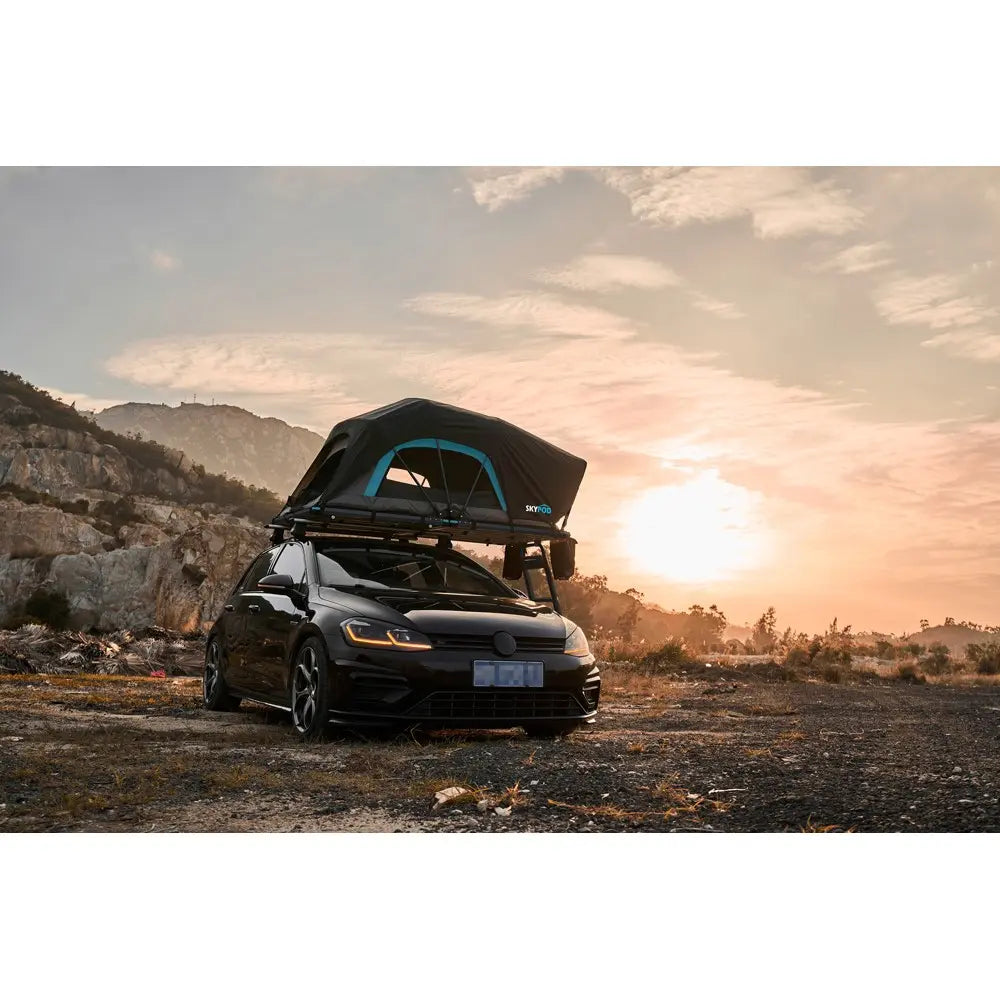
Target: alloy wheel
[{"x": 305, "y": 690}]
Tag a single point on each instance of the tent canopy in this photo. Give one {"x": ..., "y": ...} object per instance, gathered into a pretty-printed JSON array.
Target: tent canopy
[{"x": 422, "y": 461}]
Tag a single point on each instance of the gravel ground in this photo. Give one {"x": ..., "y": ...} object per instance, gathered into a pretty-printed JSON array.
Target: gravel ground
[{"x": 725, "y": 751}]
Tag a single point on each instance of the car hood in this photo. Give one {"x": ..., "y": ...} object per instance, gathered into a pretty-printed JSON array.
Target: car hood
[{"x": 456, "y": 614}]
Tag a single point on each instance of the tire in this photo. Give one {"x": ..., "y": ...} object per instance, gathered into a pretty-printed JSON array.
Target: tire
[
  {"x": 214, "y": 692},
  {"x": 310, "y": 690},
  {"x": 549, "y": 730}
]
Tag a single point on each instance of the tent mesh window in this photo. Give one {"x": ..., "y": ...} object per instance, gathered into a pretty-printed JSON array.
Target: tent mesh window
[{"x": 441, "y": 472}]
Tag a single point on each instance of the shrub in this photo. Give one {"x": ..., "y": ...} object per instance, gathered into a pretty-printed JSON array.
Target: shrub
[
  {"x": 909, "y": 673},
  {"x": 798, "y": 656},
  {"x": 673, "y": 653},
  {"x": 885, "y": 650},
  {"x": 938, "y": 660},
  {"x": 831, "y": 654},
  {"x": 985, "y": 656}
]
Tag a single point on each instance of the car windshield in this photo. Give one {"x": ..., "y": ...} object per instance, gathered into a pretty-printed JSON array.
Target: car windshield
[{"x": 383, "y": 567}]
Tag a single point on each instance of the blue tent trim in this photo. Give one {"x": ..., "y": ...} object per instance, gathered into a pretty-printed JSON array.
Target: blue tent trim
[{"x": 386, "y": 460}]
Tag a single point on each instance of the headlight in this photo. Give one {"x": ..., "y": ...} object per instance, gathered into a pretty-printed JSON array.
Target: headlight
[
  {"x": 576, "y": 643},
  {"x": 359, "y": 632}
]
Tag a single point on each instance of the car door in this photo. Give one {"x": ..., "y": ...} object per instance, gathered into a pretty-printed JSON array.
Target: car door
[
  {"x": 243, "y": 603},
  {"x": 270, "y": 627}
]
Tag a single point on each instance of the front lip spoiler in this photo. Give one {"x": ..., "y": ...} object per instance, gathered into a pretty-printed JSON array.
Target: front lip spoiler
[
  {"x": 362, "y": 718},
  {"x": 348, "y": 719}
]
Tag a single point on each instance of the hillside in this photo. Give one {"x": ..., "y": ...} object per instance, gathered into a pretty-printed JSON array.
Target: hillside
[
  {"x": 107, "y": 531},
  {"x": 224, "y": 439},
  {"x": 955, "y": 637}
]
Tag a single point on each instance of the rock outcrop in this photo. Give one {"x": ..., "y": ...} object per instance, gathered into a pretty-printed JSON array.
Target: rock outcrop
[{"x": 122, "y": 541}]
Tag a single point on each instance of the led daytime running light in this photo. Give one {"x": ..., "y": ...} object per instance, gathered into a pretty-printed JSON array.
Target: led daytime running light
[{"x": 389, "y": 642}]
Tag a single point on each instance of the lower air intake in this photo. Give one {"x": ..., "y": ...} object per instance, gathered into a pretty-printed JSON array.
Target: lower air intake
[{"x": 498, "y": 705}]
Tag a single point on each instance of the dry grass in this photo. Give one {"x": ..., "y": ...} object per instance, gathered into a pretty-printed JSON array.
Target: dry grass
[
  {"x": 20, "y": 692},
  {"x": 628, "y": 682},
  {"x": 606, "y": 812},
  {"x": 242, "y": 777},
  {"x": 769, "y": 710},
  {"x": 673, "y": 802}
]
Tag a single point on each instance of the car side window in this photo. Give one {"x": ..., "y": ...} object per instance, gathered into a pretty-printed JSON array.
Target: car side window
[
  {"x": 292, "y": 561},
  {"x": 259, "y": 569}
]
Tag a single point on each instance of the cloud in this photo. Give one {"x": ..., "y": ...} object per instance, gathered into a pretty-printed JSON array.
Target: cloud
[
  {"x": 609, "y": 272},
  {"x": 781, "y": 201},
  {"x": 725, "y": 310},
  {"x": 858, "y": 258},
  {"x": 163, "y": 261},
  {"x": 290, "y": 375},
  {"x": 496, "y": 187},
  {"x": 976, "y": 345},
  {"x": 81, "y": 400},
  {"x": 539, "y": 311},
  {"x": 256, "y": 364},
  {"x": 842, "y": 494},
  {"x": 935, "y": 300},
  {"x": 644, "y": 413}
]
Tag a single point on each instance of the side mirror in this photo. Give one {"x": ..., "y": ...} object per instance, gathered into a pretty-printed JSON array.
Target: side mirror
[
  {"x": 276, "y": 581},
  {"x": 562, "y": 554},
  {"x": 513, "y": 562}
]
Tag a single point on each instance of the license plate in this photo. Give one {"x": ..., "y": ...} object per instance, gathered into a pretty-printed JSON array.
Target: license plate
[{"x": 508, "y": 673}]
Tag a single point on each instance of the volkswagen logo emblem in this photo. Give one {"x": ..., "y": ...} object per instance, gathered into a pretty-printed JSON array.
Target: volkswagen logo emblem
[{"x": 505, "y": 644}]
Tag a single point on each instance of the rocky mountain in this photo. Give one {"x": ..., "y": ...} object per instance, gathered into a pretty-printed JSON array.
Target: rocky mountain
[
  {"x": 224, "y": 439},
  {"x": 122, "y": 533}
]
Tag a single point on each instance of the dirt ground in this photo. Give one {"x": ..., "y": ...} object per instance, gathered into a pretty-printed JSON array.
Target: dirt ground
[{"x": 722, "y": 751}]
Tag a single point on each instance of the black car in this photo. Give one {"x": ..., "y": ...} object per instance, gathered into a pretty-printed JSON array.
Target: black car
[{"x": 372, "y": 632}]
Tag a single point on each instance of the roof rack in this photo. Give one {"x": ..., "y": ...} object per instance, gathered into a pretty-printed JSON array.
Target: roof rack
[{"x": 375, "y": 524}]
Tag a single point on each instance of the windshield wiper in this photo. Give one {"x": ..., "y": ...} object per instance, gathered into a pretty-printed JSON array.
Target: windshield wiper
[{"x": 368, "y": 588}]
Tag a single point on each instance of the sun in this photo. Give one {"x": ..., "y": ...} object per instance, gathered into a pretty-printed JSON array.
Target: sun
[{"x": 703, "y": 530}]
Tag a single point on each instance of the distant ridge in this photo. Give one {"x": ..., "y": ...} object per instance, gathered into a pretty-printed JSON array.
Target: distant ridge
[
  {"x": 225, "y": 439},
  {"x": 955, "y": 637}
]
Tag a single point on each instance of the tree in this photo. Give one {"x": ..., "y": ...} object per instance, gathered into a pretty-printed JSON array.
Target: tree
[
  {"x": 579, "y": 597},
  {"x": 629, "y": 618},
  {"x": 924, "y": 624},
  {"x": 764, "y": 636},
  {"x": 703, "y": 629}
]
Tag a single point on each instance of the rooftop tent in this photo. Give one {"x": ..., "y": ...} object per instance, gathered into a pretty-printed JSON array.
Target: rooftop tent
[{"x": 427, "y": 463}]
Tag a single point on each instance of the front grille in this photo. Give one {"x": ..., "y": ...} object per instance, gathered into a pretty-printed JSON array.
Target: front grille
[
  {"x": 497, "y": 705},
  {"x": 525, "y": 644}
]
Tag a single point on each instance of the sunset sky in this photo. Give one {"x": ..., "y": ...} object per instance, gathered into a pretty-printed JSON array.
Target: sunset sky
[{"x": 786, "y": 381}]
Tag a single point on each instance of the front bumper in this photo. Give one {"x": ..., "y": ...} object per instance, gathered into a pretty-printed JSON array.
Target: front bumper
[{"x": 381, "y": 687}]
